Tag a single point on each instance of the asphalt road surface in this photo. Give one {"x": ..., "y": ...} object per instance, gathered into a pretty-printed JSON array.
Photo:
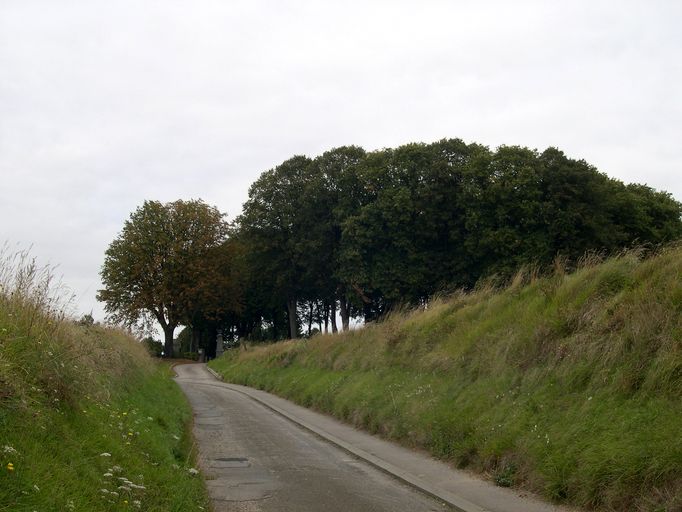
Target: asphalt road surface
[{"x": 255, "y": 460}]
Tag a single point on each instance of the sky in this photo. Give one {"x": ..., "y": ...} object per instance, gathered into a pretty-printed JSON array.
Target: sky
[{"x": 106, "y": 104}]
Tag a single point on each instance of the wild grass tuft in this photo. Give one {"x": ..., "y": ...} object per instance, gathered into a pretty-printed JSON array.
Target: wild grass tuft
[{"x": 568, "y": 384}]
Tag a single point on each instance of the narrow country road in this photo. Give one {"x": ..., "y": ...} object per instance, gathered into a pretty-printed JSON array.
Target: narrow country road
[{"x": 256, "y": 460}]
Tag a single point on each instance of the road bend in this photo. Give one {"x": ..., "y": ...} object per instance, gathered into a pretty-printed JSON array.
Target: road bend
[{"x": 255, "y": 460}]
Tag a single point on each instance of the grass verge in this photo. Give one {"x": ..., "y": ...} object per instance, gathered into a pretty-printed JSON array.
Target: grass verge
[
  {"x": 88, "y": 421},
  {"x": 568, "y": 385}
]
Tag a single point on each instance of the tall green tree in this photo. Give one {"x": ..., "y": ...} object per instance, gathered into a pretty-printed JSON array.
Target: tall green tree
[
  {"x": 335, "y": 192},
  {"x": 405, "y": 239},
  {"x": 155, "y": 268},
  {"x": 273, "y": 226},
  {"x": 505, "y": 224}
]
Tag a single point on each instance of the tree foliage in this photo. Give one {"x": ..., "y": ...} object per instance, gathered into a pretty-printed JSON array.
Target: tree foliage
[
  {"x": 368, "y": 231},
  {"x": 362, "y": 232},
  {"x": 161, "y": 266}
]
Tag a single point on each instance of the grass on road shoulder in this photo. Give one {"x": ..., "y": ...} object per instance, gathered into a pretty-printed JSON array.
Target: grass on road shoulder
[
  {"x": 132, "y": 450},
  {"x": 88, "y": 421}
]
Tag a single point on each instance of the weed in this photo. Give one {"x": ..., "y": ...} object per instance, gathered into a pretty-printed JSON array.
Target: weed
[{"x": 504, "y": 477}]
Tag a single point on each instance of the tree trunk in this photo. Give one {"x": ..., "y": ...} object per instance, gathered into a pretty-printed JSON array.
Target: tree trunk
[
  {"x": 211, "y": 342},
  {"x": 326, "y": 318},
  {"x": 291, "y": 310},
  {"x": 345, "y": 313},
  {"x": 368, "y": 313},
  {"x": 168, "y": 341},
  {"x": 335, "y": 329},
  {"x": 317, "y": 318},
  {"x": 196, "y": 340},
  {"x": 310, "y": 317}
]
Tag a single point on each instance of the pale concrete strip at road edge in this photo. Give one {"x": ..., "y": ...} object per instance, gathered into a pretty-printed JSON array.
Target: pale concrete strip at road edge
[{"x": 457, "y": 488}]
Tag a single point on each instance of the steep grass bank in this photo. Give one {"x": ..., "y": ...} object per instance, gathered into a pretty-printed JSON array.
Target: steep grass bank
[
  {"x": 569, "y": 385},
  {"x": 87, "y": 420}
]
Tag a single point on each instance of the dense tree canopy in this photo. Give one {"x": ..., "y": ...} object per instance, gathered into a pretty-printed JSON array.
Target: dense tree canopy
[
  {"x": 367, "y": 231},
  {"x": 361, "y": 233}
]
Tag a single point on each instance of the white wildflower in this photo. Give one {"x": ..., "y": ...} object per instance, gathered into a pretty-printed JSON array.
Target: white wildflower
[
  {"x": 176, "y": 437},
  {"x": 193, "y": 471},
  {"x": 9, "y": 449},
  {"x": 107, "y": 475},
  {"x": 104, "y": 491},
  {"x": 137, "y": 503},
  {"x": 37, "y": 489},
  {"x": 105, "y": 454}
]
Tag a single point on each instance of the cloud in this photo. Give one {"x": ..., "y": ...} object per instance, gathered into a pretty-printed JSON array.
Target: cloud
[{"x": 106, "y": 104}]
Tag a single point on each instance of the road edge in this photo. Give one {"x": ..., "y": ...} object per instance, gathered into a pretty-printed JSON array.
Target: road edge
[{"x": 458, "y": 503}]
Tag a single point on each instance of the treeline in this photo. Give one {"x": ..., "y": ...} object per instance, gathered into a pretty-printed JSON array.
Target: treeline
[
  {"x": 368, "y": 231},
  {"x": 361, "y": 232}
]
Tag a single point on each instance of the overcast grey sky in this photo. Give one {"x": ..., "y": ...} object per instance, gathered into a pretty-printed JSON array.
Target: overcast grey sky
[{"x": 105, "y": 104}]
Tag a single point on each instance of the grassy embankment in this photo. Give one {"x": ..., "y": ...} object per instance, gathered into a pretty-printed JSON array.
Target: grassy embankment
[
  {"x": 567, "y": 385},
  {"x": 88, "y": 421}
]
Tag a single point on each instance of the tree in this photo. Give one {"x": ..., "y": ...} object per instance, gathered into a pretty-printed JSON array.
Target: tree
[
  {"x": 273, "y": 226},
  {"x": 150, "y": 271},
  {"x": 505, "y": 222},
  {"x": 213, "y": 296},
  {"x": 86, "y": 320},
  {"x": 403, "y": 239},
  {"x": 335, "y": 195},
  {"x": 154, "y": 347}
]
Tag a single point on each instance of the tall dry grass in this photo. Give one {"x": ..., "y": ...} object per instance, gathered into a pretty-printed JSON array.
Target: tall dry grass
[{"x": 44, "y": 354}]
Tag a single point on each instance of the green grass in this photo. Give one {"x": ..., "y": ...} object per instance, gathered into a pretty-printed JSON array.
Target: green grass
[
  {"x": 87, "y": 420},
  {"x": 568, "y": 385},
  {"x": 143, "y": 426}
]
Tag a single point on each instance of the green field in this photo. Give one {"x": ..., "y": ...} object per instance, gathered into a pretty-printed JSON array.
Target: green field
[
  {"x": 569, "y": 385},
  {"x": 88, "y": 422}
]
